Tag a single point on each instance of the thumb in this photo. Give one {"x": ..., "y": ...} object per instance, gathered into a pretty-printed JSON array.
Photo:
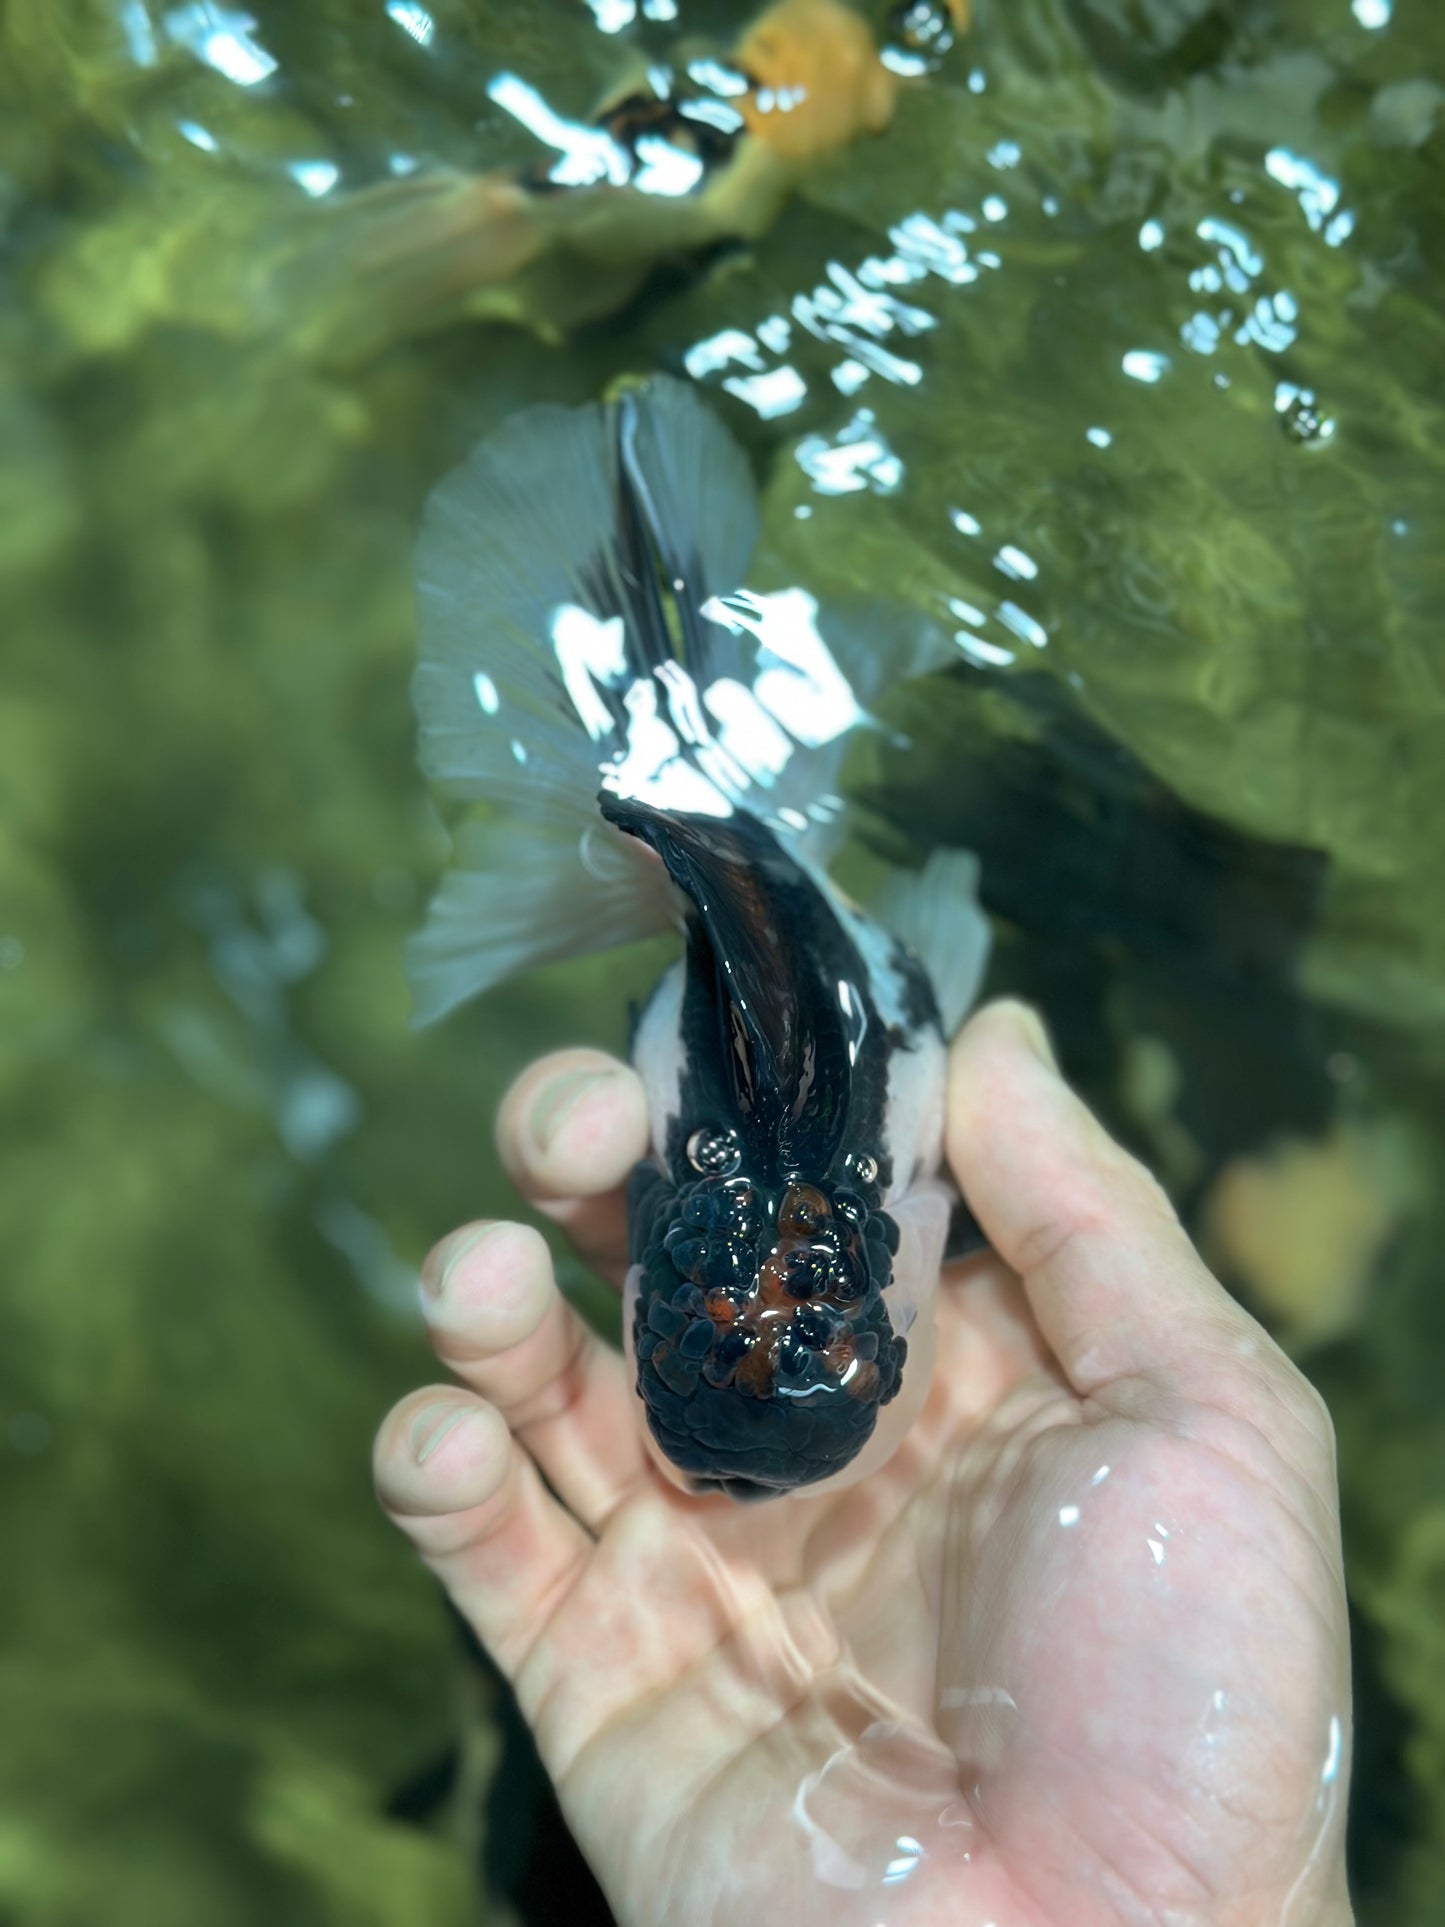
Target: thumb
[{"x": 1115, "y": 1284}]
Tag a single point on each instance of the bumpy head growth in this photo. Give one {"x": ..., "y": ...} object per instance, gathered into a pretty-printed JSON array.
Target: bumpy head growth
[{"x": 763, "y": 1345}]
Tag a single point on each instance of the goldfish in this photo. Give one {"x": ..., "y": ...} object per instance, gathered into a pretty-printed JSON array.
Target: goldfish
[
  {"x": 654, "y": 176},
  {"x": 660, "y": 746}
]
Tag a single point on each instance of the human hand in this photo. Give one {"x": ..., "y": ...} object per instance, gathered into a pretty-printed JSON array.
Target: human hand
[{"x": 1076, "y": 1656}]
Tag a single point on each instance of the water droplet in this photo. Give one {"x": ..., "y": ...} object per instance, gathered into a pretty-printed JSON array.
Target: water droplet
[
  {"x": 1334, "y": 1753},
  {"x": 1023, "y": 625},
  {"x": 1142, "y": 364},
  {"x": 1016, "y": 562},
  {"x": 1301, "y": 416},
  {"x": 778, "y": 392},
  {"x": 412, "y": 20},
  {"x": 714, "y": 1153},
  {"x": 917, "y": 34}
]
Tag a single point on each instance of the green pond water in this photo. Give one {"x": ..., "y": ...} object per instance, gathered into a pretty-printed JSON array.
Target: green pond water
[{"x": 1143, "y": 399}]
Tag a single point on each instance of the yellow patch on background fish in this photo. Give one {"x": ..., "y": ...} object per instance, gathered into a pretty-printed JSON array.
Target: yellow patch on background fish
[
  {"x": 1303, "y": 1224},
  {"x": 820, "y": 82}
]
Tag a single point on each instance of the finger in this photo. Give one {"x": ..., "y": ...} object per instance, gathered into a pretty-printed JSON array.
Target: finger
[
  {"x": 984, "y": 1297},
  {"x": 569, "y": 1132},
  {"x": 497, "y": 1319},
  {"x": 451, "y": 1475},
  {"x": 1115, "y": 1284}
]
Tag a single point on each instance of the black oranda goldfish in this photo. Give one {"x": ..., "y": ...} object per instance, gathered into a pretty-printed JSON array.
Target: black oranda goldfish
[{"x": 660, "y": 745}]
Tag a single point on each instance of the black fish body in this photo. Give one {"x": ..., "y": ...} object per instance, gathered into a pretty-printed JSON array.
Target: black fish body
[
  {"x": 796, "y": 1089},
  {"x": 787, "y": 1228}
]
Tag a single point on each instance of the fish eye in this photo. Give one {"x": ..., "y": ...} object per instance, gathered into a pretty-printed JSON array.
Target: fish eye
[{"x": 714, "y": 1154}]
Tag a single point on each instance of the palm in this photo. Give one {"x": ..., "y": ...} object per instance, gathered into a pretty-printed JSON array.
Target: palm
[
  {"x": 980, "y": 1645},
  {"x": 1067, "y": 1658}
]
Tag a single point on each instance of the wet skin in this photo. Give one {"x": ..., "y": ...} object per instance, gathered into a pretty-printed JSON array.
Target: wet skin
[{"x": 1087, "y": 1700}]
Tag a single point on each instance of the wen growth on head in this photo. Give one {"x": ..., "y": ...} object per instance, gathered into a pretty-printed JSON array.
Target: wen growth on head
[{"x": 660, "y": 748}]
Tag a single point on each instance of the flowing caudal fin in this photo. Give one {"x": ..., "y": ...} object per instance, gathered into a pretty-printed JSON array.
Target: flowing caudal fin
[
  {"x": 878, "y": 645},
  {"x": 936, "y": 912},
  {"x": 524, "y": 894},
  {"x": 583, "y": 624},
  {"x": 539, "y": 615},
  {"x": 697, "y": 487},
  {"x": 537, "y": 603}
]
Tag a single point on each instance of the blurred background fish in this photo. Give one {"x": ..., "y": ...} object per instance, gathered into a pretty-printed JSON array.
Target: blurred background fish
[{"x": 677, "y": 162}]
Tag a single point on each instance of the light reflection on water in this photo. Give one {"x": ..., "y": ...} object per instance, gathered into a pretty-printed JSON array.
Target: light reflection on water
[{"x": 222, "y": 37}]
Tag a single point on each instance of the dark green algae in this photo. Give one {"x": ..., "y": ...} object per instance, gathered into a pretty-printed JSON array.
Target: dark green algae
[{"x": 1211, "y": 805}]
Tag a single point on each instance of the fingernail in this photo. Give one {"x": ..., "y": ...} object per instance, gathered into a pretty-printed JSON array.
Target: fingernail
[
  {"x": 556, "y": 1103},
  {"x": 430, "y": 1427},
  {"x": 1033, "y": 1034},
  {"x": 440, "y": 1267}
]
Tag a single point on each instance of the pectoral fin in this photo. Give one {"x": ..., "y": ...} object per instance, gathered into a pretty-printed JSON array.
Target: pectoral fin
[{"x": 936, "y": 912}]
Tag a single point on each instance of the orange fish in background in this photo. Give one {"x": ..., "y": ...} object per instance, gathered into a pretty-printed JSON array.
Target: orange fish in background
[
  {"x": 406, "y": 257},
  {"x": 819, "y": 82}
]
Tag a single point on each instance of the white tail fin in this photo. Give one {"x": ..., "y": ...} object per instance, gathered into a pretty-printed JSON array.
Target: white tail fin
[
  {"x": 936, "y": 912},
  {"x": 526, "y": 894},
  {"x": 583, "y": 626},
  {"x": 526, "y": 558}
]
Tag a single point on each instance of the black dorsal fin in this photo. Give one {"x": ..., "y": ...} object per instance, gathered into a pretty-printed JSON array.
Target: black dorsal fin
[{"x": 767, "y": 954}]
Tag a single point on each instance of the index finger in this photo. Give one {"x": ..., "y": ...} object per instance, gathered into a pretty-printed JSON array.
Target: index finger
[
  {"x": 1117, "y": 1288},
  {"x": 569, "y": 1131}
]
